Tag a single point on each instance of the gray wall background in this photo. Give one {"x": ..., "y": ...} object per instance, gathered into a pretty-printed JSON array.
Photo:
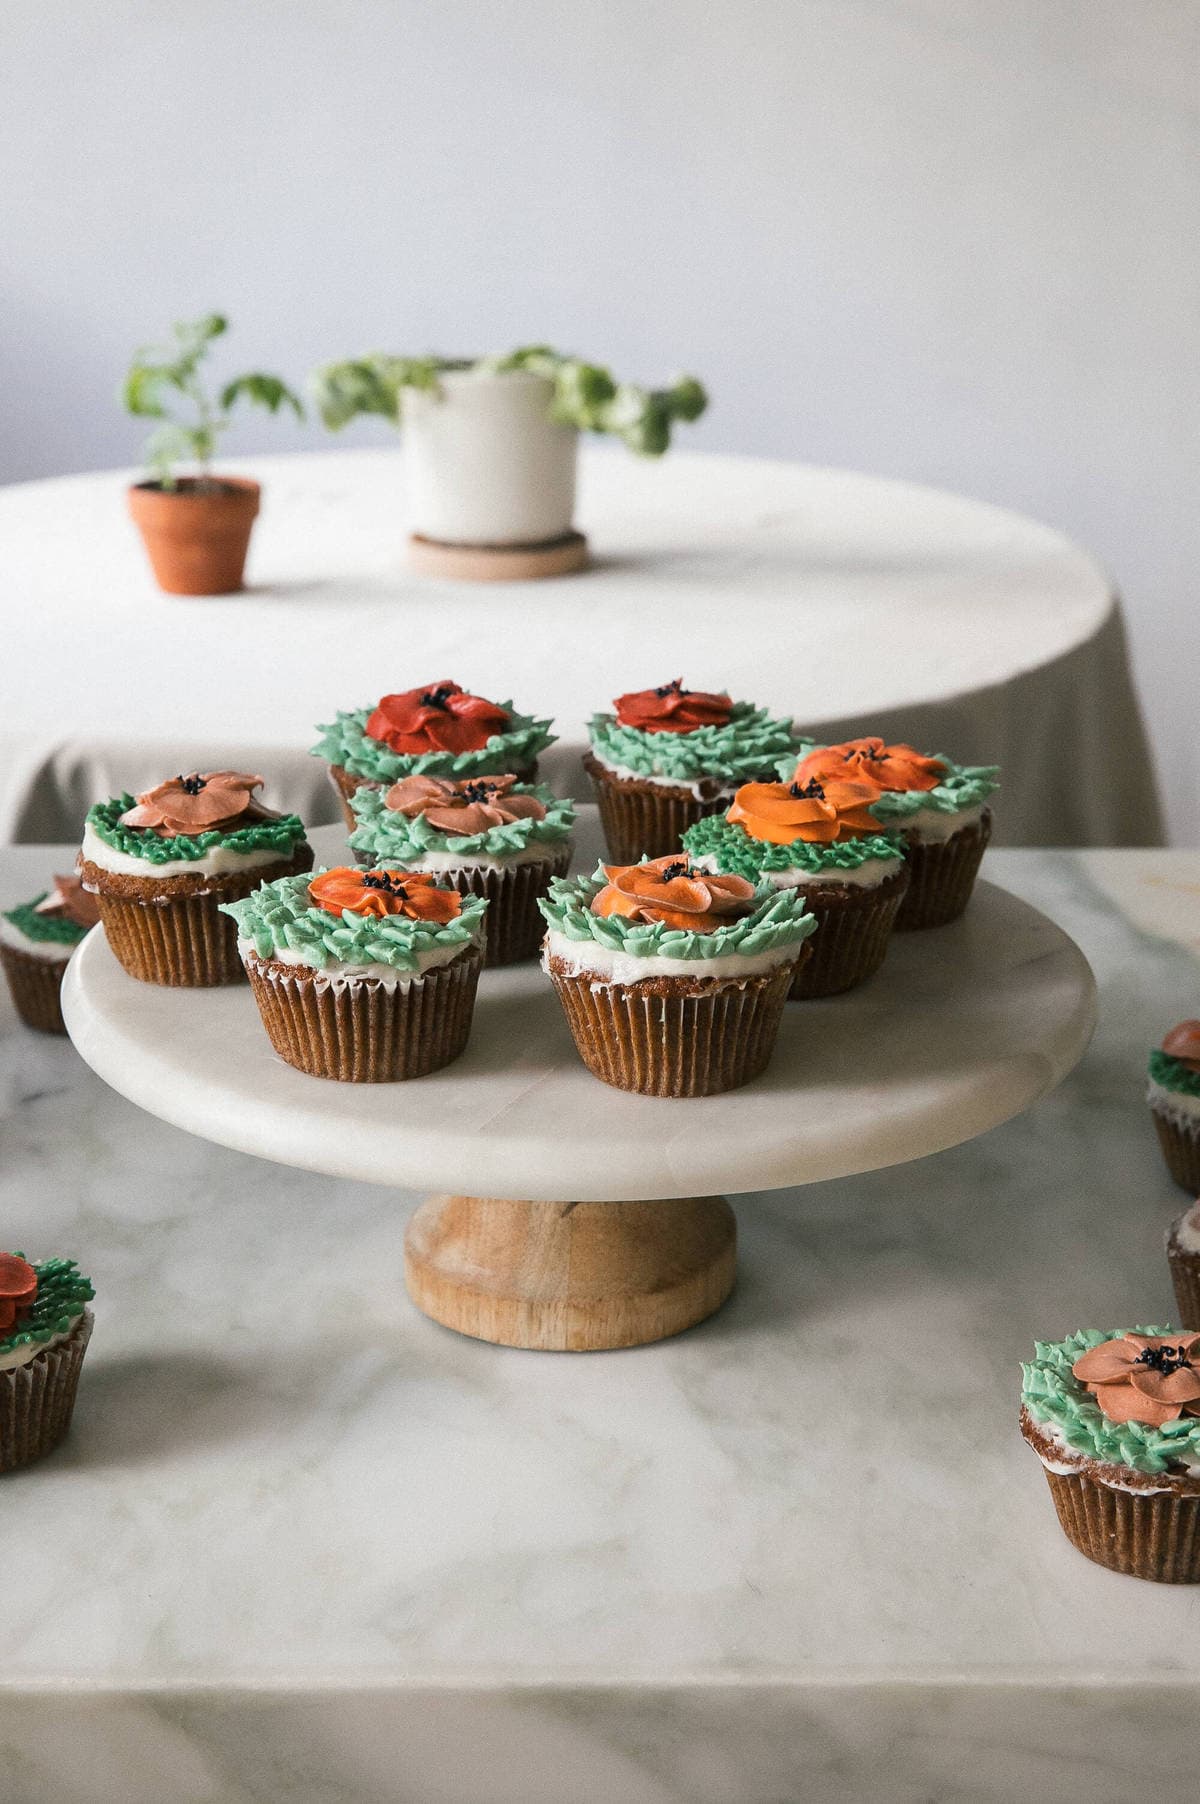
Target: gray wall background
[{"x": 954, "y": 240}]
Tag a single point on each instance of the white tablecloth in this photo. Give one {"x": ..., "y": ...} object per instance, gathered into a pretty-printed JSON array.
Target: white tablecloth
[{"x": 852, "y": 603}]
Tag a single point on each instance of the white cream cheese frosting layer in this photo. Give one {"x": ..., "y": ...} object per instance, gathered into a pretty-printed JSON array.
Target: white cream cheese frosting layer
[
  {"x": 342, "y": 976},
  {"x": 28, "y": 1351},
  {"x": 215, "y": 862},
  {"x": 1186, "y": 1231},
  {"x": 453, "y": 862},
  {"x": 588, "y": 958},
  {"x": 53, "y": 951},
  {"x": 933, "y": 827},
  {"x": 1173, "y": 1104},
  {"x": 867, "y": 875},
  {"x": 700, "y": 787}
]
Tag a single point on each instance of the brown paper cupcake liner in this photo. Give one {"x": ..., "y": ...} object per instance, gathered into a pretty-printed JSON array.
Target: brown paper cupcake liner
[
  {"x": 646, "y": 818},
  {"x": 345, "y": 782},
  {"x": 1185, "y": 1276},
  {"x": 35, "y": 985},
  {"x": 364, "y": 1032},
  {"x": 854, "y": 927},
  {"x": 674, "y": 1036},
  {"x": 1146, "y": 1534},
  {"x": 36, "y": 1400},
  {"x": 1181, "y": 1149},
  {"x": 181, "y": 939},
  {"x": 513, "y": 924},
  {"x": 942, "y": 876}
]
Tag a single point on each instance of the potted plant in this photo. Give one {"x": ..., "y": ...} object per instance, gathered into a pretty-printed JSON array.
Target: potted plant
[
  {"x": 490, "y": 447},
  {"x": 196, "y": 527}
]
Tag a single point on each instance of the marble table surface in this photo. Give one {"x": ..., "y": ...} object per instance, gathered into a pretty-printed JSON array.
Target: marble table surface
[{"x": 303, "y": 1546}]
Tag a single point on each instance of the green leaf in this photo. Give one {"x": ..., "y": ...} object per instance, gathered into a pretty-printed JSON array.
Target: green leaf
[
  {"x": 262, "y": 390},
  {"x": 141, "y": 392},
  {"x": 370, "y": 385}
]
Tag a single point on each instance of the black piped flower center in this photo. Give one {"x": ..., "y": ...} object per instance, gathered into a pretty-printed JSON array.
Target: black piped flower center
[
  {"x": 477, "y": 792},
  {"x": 388, "y": 881},
  {"x": 807, "y": 792},
  {"x": 678, "y": 869},
  {"x": 1164, "y": 1359},
  {"x": 675, "y": 687},
  {"x": 192, "y": 785},
  {"x": 438, "y": 698}
]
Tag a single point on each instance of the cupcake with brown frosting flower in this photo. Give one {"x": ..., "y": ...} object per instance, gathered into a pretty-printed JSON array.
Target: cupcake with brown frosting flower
[
  {"x": 161, "y": 864},
  {"x": 1173, "y": 1093},
  {"x": 664, "y": 758},
  {"x": 36, "y": 942},
  {"x": 486, "y": 836},
  {"x": 673, "y": 980}
]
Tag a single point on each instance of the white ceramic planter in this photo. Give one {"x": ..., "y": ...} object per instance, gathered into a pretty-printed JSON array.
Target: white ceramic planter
[{"x": 484, "y": 464}]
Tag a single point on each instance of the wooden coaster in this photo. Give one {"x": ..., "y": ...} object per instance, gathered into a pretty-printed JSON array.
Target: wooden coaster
[
  {"x": 570, "y": 1277},
  {"x": 498, "y": 563}
]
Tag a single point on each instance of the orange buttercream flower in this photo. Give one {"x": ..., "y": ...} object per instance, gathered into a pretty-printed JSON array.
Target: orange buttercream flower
[
  {"x": 817, "y": 812},
  {"x": 412, "y": 893},
  {"x": 670, "y": 890},
  {"x": 199, "y": 803},
  {"x": 1183, "y": 1043},
  {"x": 871, "y": 761},
  {"x": 1151, "y": 1378},
  {"x": 672, "y": 709},
  {"x": 441, "y": 717},
  {"x": 18, "y": 1289},
  {"x": 471, "y": 805}
]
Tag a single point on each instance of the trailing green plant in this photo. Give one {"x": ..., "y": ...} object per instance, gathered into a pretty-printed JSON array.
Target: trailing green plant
[
  {"x": 160, "y": 374},
  {"x": 586, "y": 396}
]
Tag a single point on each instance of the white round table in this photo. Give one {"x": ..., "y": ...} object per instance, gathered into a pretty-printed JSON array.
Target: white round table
[{"x": 846, "y": 601}]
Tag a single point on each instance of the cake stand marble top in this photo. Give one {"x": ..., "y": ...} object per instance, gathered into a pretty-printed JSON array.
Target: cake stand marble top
[{"x": 964, "y": 1027}]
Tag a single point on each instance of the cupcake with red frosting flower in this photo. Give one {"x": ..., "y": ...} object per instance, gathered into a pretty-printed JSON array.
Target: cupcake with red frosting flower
[
  {"x": 1173, "y": 1093},
  {"x": 485, "y": 836},
  {"x": 362, "y": 976},
  {"x": 45, "y": 1326},
  {"x": 822, "y": 841},
  {"x": 434, "y": 730},
  {"x": 673, "y": 980},
  {"x": 161, "y": 865},
  {"x": 664, "y": 758},
  {"x": 938, "y": 807},
  {"x": 36, "y": 942}
]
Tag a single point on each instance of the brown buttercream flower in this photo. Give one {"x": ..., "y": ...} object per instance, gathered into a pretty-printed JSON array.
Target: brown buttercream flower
[
  {"x": 471, "y": 805},
  {"x": 70, "y": 900},
  {"x": 199, "y": 803},
  {"x": 1150, "y": 1378},
  {"x": 819, "y": 813},
  {"x": 672, "y": 891}
]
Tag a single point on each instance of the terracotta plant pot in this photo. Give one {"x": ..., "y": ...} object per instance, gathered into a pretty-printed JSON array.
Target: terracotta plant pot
[{"x": 196, "y": 537}]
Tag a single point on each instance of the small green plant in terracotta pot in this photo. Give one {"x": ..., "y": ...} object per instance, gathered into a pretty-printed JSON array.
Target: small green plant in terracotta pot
[{"x": 196, "y": 527}]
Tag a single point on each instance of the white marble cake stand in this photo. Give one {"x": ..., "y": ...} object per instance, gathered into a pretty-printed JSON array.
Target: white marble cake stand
[{"x": 964, "y": 1027}]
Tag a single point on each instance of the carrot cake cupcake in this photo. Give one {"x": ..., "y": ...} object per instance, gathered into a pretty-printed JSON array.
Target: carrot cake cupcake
[
  {"x": 36, "y": 941},
  {"x": 1173, "y": 1092},
  {"x": 485, "y": 836},
  {"x": 820, "y": 840},
  {"x": 45, "y": 1326},
  {"x": 160, "y": 868},
  {"x": 673, "y": 980},
  {"x": 363, "y": 976},
  {"x": 1115, "y": 1420},
  {"x": 435, "y": 730},
  {"x": 939, "y": 807},
  {"x": 1183, "y": 1256},
  {"x": 666, "y": 757}
]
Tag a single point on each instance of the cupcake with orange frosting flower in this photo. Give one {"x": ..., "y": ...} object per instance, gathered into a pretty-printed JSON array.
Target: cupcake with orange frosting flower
[
  {"x": 435, "y": 730},
  {"x": 939, "y": 807},
  {"x": 485, "y": 836},
  {"x": 664, "y": 758},
  {"x": 1115, "y": 1420},
  {"x": 159, "y": 868},
  {"x": 1173, "y": 1093},
  {"x": 822, "y": 841},
  {"x": 673, "y": 980},
  {"x": 362, "y": 976}
]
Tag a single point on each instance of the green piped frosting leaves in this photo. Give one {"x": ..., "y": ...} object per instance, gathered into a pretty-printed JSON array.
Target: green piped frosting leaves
[
  {"x": 61, "y": 1294},
  {"x": 1052, "y": 1395},
  {"x": 736, "y": 852},
  {"x": 747, "y": 747},
  {"x": 345, "y": 741},
  {"x": 779, "y": 918},
  {"x": 385, "y": 835},
  {"x": 51, "y": 930},
  {"x": 281, "y": 836},
  {"x": 1171, "y": 1073},
  {"x": 280, "y": 917}
]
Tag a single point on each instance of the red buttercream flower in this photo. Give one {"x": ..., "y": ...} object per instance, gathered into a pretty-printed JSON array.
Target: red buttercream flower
[
  {"x": 413, "y": 893},
  {"x": 18, "y": 1290},
  {"x": 1183, "y": 1043},
  {"x": 440, "y": 717},
  {"x": 672, "y": 709}
]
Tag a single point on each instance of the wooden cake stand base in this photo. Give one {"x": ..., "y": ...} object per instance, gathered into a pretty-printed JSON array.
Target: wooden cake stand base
[
  {"x": 498, "y": 563},
  {"x": 570, "y": 1277}
]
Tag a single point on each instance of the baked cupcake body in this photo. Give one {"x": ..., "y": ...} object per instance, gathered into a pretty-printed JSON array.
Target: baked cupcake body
[
  {"x": 484, "y": 836},
  {"x": 363, "y": 977},
  {"x": 45, "y": 1327},
  {"x": 1173, "y": 1092},
  {"x": 672, "y": 985},
  {"x": 438, "y": 730},
  {"x": 161, "y": 867},
  {"x": 664, "y": 758},
  {"x": 36, "y": 941},
  {"x": 1114, "y": 1420},
  {"x": 1183, "y": 1256},
  {"x": 817, "y": 843},
  {"x": 939, "y": 807}
]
